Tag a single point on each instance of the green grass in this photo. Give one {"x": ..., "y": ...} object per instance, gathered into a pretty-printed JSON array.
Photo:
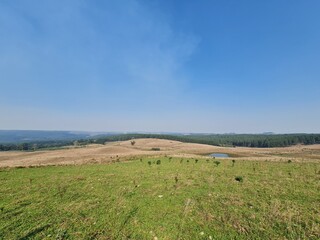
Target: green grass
[{"x": 172, "y": 200}]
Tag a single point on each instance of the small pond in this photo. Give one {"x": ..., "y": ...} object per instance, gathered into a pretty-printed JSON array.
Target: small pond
[{"x": 219, "y": 155}]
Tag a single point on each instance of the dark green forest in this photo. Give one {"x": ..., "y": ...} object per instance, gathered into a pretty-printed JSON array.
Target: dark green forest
[{"x": 230, "y": 140}]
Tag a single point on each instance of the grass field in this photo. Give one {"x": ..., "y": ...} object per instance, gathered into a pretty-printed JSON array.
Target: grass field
[{"x": 176, "y": 199}]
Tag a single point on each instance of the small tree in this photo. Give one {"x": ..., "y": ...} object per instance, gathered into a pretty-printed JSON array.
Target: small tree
[
  {"x": 34, "y": 147},
  {"x": 133, "y": 143}
]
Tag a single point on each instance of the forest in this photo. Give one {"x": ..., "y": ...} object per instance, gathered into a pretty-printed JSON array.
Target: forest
[{"x": 227, "y": 140}]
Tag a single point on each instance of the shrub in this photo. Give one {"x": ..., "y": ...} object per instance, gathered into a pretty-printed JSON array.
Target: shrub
[
  {"x": 217, "y": 163},
  {"x": 155, "y": 149},
  {"x": 158, "y": 162},
  {"x": 196, "y": 161},
  {"x": 289, "y": 161},
  {"x": 233, "y": 162},
  {"x": 239, "y": 179},
  {"x": 133, "y": 143},
  {"x": 149, "y": 162}
]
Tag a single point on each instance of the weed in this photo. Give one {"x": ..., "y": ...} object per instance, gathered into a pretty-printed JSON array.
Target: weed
[{"x": 62, "y": 234}]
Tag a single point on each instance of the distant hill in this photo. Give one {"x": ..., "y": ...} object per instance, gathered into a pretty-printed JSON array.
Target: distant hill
[
  {"x": 31, "y": 140},
  {"x": 25, "y": 136}
]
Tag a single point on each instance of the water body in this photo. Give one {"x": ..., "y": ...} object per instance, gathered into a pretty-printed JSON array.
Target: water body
[{"x": 219, "y": 155}]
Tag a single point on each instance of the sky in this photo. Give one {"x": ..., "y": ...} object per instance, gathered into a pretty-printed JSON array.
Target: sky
[{"x": 160, "y": 66}]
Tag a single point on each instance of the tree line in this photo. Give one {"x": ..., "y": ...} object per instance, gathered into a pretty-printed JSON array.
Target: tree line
[{"x": 232, "y": 140}]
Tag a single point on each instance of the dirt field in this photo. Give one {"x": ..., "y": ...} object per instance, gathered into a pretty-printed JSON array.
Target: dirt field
[{"x": 120, "y": 151}]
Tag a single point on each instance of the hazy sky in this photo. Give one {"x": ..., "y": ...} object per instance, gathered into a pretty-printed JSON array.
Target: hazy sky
[{"x": 182, "y": 66}]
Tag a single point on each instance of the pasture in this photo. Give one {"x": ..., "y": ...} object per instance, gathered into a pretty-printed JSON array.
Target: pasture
[{"x": 162, "y": 198}]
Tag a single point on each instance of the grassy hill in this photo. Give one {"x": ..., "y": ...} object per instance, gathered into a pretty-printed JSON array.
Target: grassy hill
[{"x": 174, "y": 199}]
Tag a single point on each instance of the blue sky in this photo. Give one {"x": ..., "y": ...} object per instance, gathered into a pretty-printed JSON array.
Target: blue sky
[{"x": 181, "y": 66}]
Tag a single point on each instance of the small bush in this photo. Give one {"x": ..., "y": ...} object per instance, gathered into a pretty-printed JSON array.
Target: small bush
[
  {"x": 187, "y": 160},
  {"x": 289, "y": 161},
  {"x": 155, "y": 149},
  {"x": 239, "y": 179},
  {"x": 217, "y": 163},
  {"x": 158, "y": 162},
  {"x": 233, "y": 162},
  {"x": 149, "y": 162},
  {"x": 196, "y": 161}
]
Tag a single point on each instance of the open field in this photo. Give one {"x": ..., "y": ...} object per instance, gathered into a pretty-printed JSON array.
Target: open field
[
  {"x": 120, "y": 151},
  {"x": 118, "y": 191},
  {"x": 179, "y": 198}
]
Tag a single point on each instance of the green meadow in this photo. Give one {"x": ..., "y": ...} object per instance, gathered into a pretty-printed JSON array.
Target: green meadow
[{"x": 162, "y": 198}]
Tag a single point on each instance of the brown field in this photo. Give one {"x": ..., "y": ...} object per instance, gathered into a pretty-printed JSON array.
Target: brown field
[{"x": 121, "y": 151}]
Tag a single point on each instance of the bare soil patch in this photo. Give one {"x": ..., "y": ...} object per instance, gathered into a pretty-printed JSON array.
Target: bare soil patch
[{"x": 117, "y": 151}]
